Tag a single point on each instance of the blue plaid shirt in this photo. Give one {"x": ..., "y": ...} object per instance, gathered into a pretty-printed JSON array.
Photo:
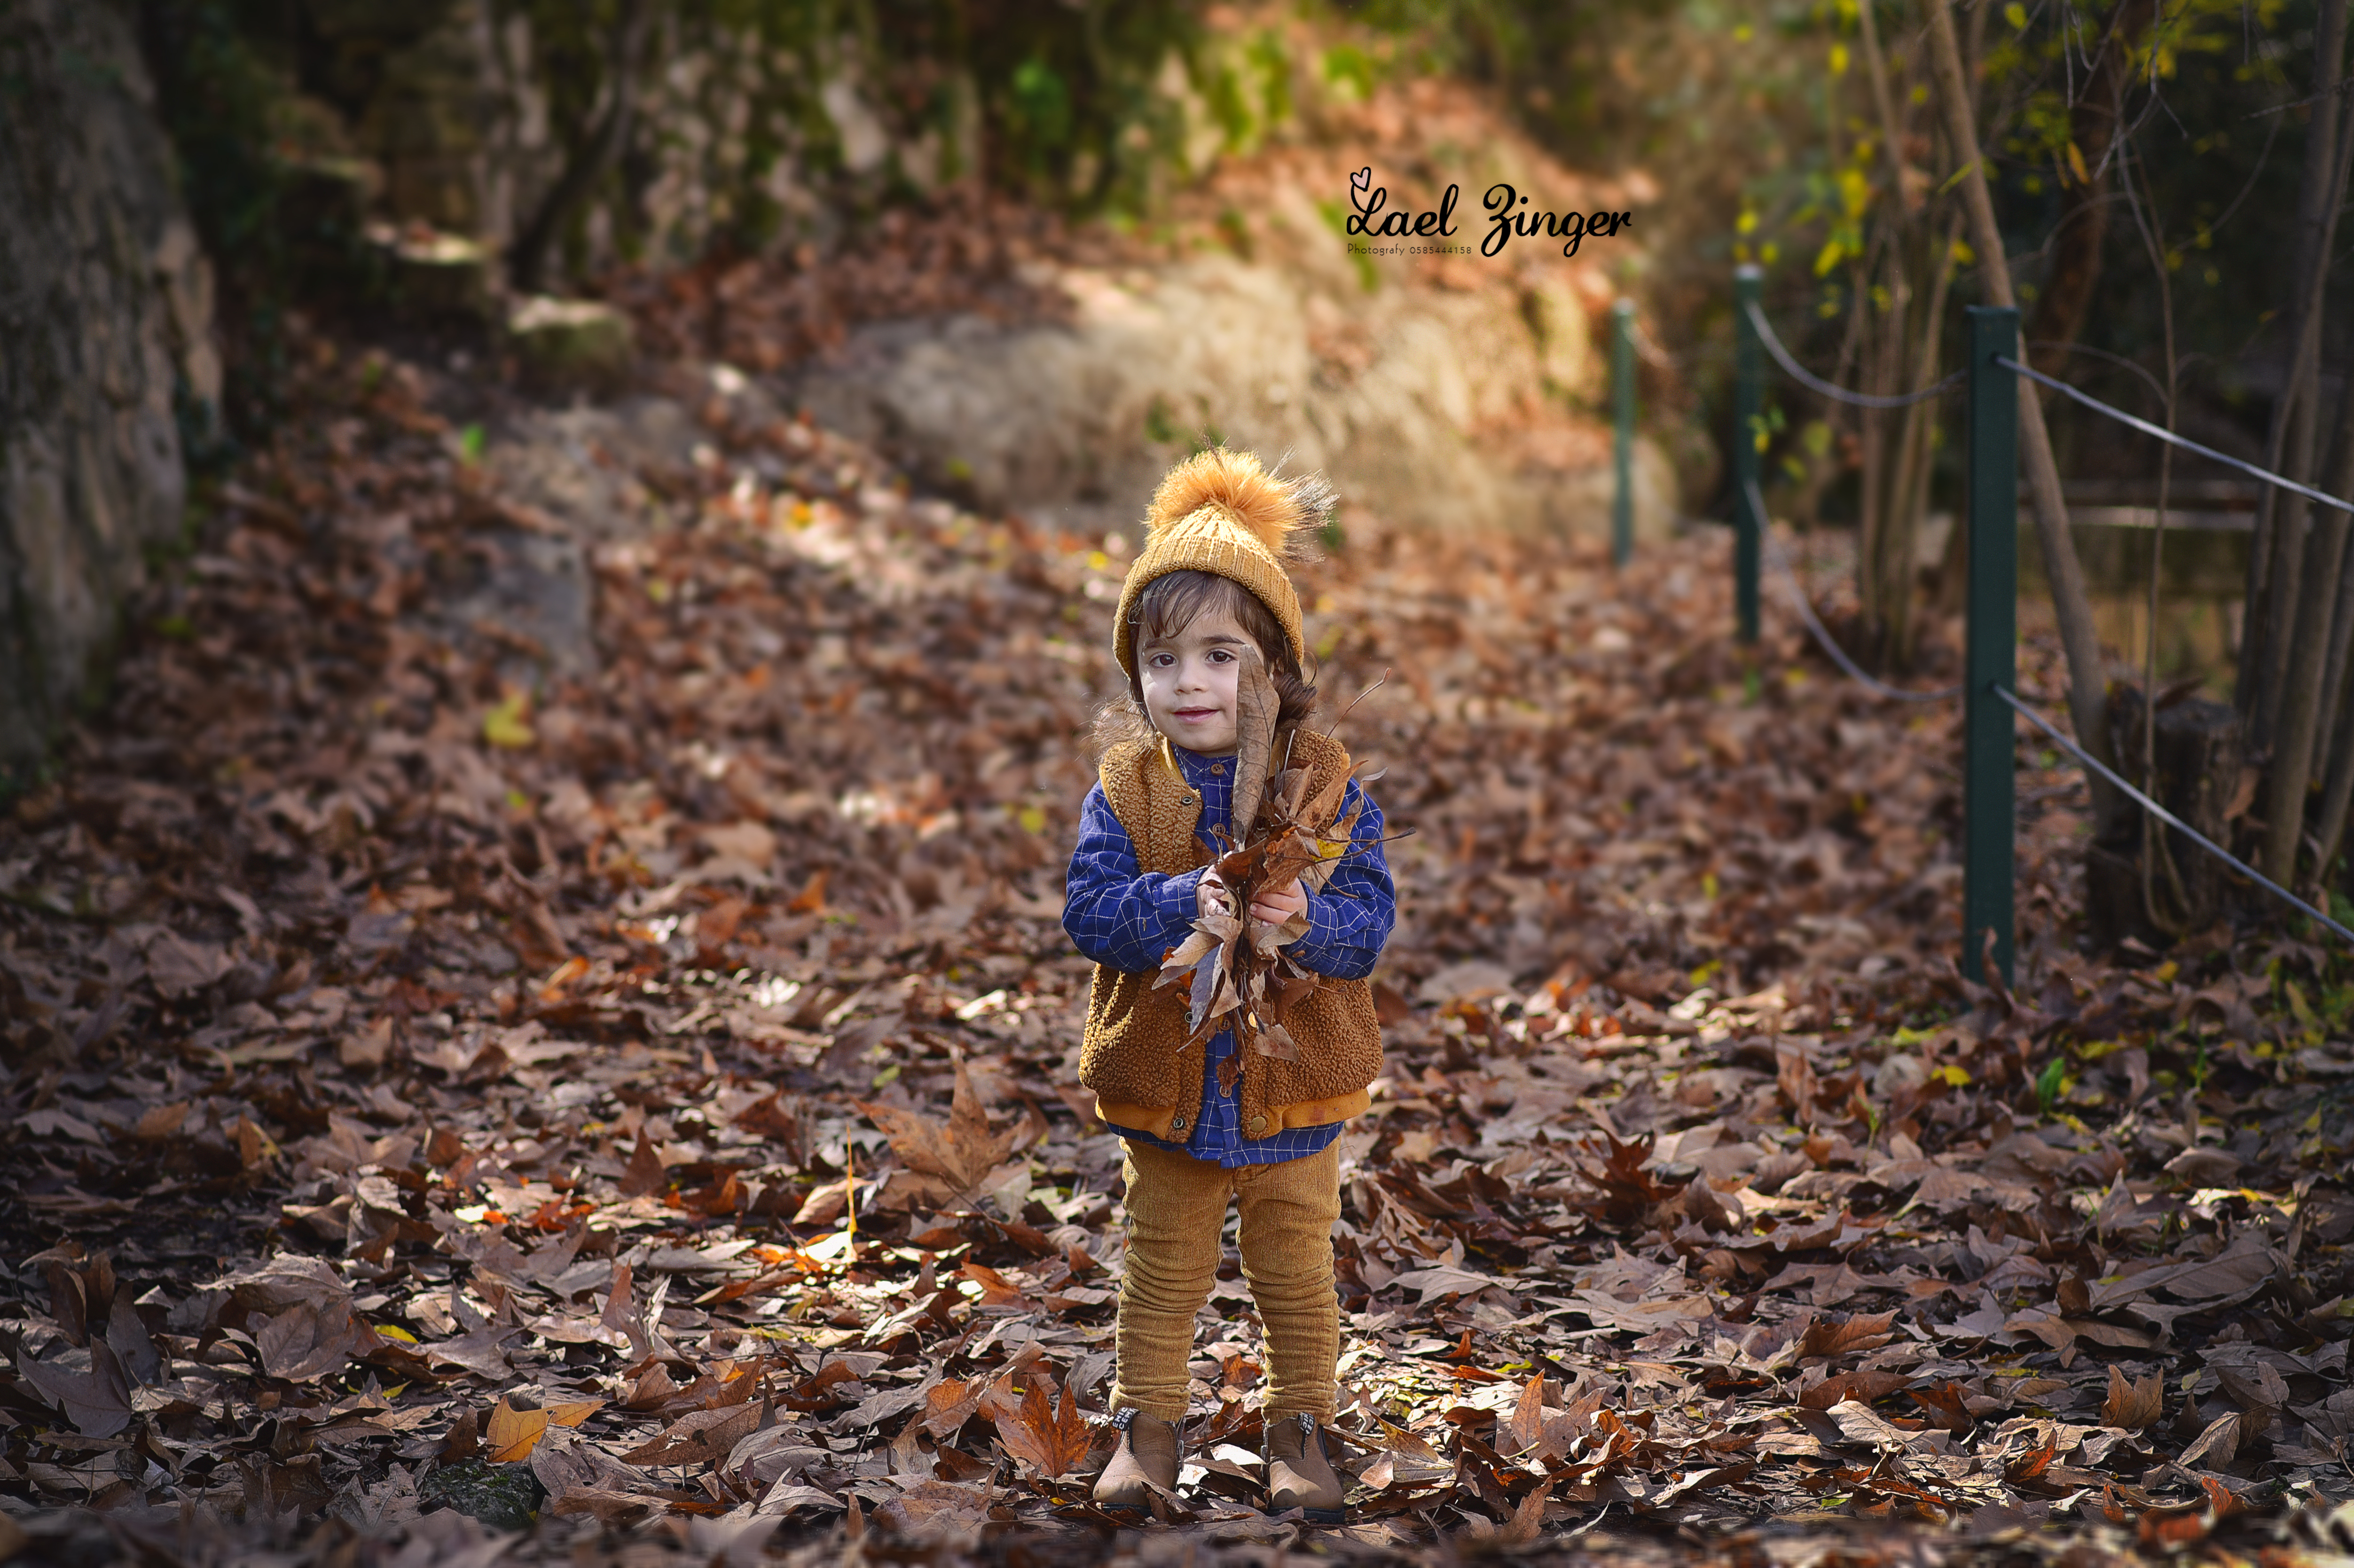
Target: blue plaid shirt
[{"x": 1126, "y": 919}]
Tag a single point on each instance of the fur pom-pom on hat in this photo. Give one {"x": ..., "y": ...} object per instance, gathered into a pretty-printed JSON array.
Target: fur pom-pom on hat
[
  {"x": 1222, "y": 511},
  {"x": 1276, "y": 511}
]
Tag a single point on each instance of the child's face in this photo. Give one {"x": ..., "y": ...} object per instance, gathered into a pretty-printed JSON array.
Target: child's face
[{"x": 1189, "y": 679}]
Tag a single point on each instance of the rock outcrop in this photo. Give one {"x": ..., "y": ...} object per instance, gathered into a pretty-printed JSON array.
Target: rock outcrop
[
  {"x": 1435, "y": 408},
  {"x": 105, "y": 312}
]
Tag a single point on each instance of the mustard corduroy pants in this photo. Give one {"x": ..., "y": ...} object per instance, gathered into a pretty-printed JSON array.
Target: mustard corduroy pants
[{"x": 1176, "y": 1210}]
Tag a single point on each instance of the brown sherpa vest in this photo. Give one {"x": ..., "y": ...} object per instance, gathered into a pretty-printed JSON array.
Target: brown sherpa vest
[{"x": 1132, "y": 1057}]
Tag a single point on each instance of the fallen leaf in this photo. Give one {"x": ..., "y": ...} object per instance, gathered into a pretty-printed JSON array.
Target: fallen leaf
[
  {"x": 2132, "y": 1403},
  {"x": 97, "y": 1402},
  {"x": 511, "y": 1435},
  {"x": 1528, "y": 1517},
  {"x": 1848, "y": 1336},
  {"x": 647, "y": 1174},
  {"x": 961, "y": 1150},
  {"x": 1050, "y": 1439},
  {"x": 2215, "y": 1446}
]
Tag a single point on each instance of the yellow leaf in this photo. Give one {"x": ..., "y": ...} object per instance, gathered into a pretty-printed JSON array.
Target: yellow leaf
[
  {"x": 574, "y": 1412},
  {"x": 393, "y": 1331},
  {"x": 1855, "y": 191},
  {"x": 1839, "y": 60},
  {"x": 2077, "y": 165},
  {"x": 505, "y": 724},
  {"x": 511, "y": 1435},
  {"x": 2016, "y": 14},
  {"x": 1958, "y": 1078},
  {"x": 1828, "y": 256}
]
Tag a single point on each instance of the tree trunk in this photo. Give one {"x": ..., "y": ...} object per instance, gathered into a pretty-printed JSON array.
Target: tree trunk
[
  {"x": 2088, "y": 681},
  {"x": 2084, "y": 205},
  {"x": 106, "y": 319},
  {"x": 2338, "y": 781},
  {"x": 1914, "y": 450},
  {"x": 2263, "y": 650},
  {"x": 528, "y": 257},
  {"x": 1891, "y": 498},
  {"x": 2197, "y": 766},
  {"x": 2304, "y": 643},
  {"x": 2291, "y": 766},
  {"x": 2341, "y": 621}
]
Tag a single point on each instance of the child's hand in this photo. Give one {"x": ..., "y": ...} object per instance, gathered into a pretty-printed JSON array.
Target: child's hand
[{"x": 1281, "y": 904}]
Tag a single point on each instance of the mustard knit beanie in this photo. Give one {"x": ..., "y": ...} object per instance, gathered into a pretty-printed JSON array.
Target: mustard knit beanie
[{"x": 1221, "y": 512}]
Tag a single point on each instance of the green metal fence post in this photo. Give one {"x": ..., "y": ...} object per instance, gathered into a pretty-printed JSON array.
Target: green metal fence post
[
  {"x": 1622, "y": 389},
  {"x": 1990, "y": 659},
  {"x": 1748, "y": 430}
]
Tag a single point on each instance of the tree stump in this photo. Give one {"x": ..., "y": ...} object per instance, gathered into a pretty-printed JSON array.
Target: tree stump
[
  {"x": 437, "y": 276},
  {"x": 2198, "y": 758},
  {"x": 562, "y": 346}
]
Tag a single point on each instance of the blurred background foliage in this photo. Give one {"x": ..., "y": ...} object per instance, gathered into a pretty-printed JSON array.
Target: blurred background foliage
[{"x": 796, "y": 121}]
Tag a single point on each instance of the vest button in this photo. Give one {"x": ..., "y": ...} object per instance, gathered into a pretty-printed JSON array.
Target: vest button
[
  {"x": 1176, "y": 1124},
  {"x": 1258, "y": 1125}
]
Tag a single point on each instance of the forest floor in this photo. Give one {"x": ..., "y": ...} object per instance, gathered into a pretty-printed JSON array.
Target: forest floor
[{"x": 471, "y": 1096}]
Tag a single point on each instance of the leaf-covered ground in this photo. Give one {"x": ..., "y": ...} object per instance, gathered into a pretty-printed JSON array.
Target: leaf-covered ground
[{"x": 473, "y": 1095}]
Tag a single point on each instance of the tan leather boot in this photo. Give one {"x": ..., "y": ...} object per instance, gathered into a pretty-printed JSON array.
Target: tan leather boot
[
  {"x": 1299, "y": 1476},
  {"x": 1147, "y": 1458}
]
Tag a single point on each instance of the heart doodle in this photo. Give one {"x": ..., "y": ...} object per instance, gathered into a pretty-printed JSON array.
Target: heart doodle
[{"x": 1362, "y": 178}]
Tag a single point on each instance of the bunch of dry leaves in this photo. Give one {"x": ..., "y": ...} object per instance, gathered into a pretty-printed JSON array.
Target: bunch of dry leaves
[{"x": 462, "y": 1106}]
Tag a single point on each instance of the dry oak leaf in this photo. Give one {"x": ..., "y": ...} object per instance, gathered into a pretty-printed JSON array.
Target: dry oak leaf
[
  {"x": 949, "y": 1404},
  {"x": 127, "y": 1336},
  {"x": 1527, "y": 1518},
  {"x": 2215, "y": 1447},
  {"x": 647, "y": 1174},
  {"x": 615, "y": 1510},
  {"x": 1864, "y": 1386},
  {"x": 2132, "y": 1404},
  {"x": 581, "y": 1478},
  {"x": 961, "y": 1150},
  {"x": 1862, "y": 1332},
  {"x": 934, "y": 1508},
  {"x": 97, "y": 1402},
  {"x": 1858, "y": 1423},
  {"x": 1525, "y": 1429},
  {"x": 704, "y": 1436},
  {"x": 511, "y": 1435},
  {"x": 304, "y": 1342},
  {"x": 284, "y": 1280},
  {"x": 178, "y": 965},
  {"x": 1052, "y": 1440}
]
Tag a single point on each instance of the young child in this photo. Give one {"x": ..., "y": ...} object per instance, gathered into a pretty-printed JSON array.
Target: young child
[{"x": 1209, "y": 579}]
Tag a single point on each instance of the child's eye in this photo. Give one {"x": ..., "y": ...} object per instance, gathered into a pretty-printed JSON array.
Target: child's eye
[{"x": 1221, "y": 656}]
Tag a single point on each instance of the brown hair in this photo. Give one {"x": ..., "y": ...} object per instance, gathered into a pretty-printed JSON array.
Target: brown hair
[{"x": 1172, "y": 602}]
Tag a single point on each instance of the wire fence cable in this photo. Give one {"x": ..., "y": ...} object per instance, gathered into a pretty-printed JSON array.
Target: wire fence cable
[
  {"x": 1822, "y": 633},
  {"x": 1813, "y": 383},
  {"x": 2163, "y": 815},
  {"x": 2163, "y": 434}
]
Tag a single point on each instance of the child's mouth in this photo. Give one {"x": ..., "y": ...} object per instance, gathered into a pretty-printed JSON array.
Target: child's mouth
[{"x": 1195, "y": 716}]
